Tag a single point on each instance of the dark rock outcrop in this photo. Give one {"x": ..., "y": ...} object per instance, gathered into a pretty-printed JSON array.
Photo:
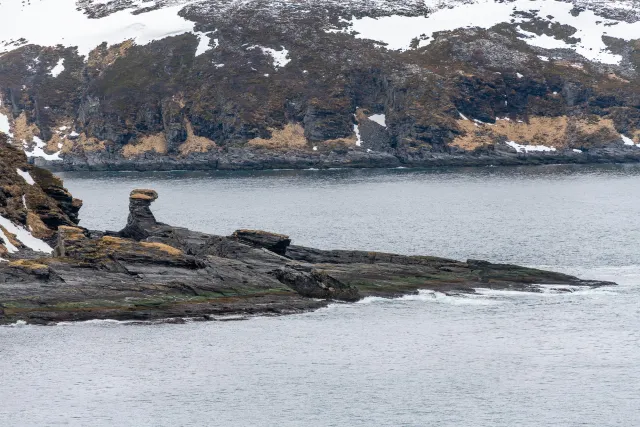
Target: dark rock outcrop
[
  {"x": 140, "y": 218},
  {"x": 273, "y": 242},
  {"x": 32, "y": 198},
  {"x": 153, "y": 271}
]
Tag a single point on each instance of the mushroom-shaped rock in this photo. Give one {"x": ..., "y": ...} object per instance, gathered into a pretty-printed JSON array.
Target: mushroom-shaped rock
[
  {"x": 277, "y": 243},
  {"x": 141, "y": 219}
]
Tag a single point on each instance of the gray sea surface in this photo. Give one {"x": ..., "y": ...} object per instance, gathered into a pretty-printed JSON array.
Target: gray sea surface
[{"x": 494, "y": 359}]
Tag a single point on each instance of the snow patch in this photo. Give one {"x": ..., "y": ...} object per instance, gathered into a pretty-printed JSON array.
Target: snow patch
[
  {"x": 575, "y": 150},
  {"x": 529, "y": 148},
  {"x": 204, "y": 43},
  {"x": 519, "y": 75},
  {"x": 380, "y": 119},
  {"x": 7, "y": 244},
  {"x": 59, "y": 22},
  {"x": 59, "y": 68},
  {"x": 398, "y": 32},
  {"x": 356, "y": 129},
  {"x": 26, "y": 176},
  {"x": 38, "y": 150},
  {"x": 25, "y": 237},
  {"x": 628, "y": 141},
  {"x": 280, "y": 57},
  {"x": 5, "y": 127}
]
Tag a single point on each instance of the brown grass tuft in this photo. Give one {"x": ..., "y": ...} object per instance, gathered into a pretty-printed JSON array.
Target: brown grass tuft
[
  {"x": 291, "y": 136},
  {"x": 150, "y": 143},
  {"x": 28, "y": 264},
  {"x": 559, "y": 132},
  {"x": 37, "y": 227},
  {"x": 194, "y": 143}
]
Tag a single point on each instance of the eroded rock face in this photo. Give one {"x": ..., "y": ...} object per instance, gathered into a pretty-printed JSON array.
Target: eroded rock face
[{"x": 33, "y": 203}]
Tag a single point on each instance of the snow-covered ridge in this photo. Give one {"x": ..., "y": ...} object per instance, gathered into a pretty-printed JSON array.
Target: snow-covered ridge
[
  {"x": 398, "y": 31},
  {"x": 69, "y": 22},
  {"x": 53, "y": 22}
]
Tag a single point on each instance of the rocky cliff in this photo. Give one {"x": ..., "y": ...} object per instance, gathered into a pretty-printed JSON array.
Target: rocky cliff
[
  {"x": 125, "y": 84},
  {"x": 33, "y": 204}
]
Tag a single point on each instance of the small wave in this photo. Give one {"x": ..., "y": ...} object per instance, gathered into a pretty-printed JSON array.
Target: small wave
[
  {"x": 437, "y": 297},
  {"x": 452, "y": 299},
  {"x": 100, "y": 322},
  {"x": 18, "y": 324},
  {"x": 547, "y": 290},
  {"x": 370, "y": 300}
]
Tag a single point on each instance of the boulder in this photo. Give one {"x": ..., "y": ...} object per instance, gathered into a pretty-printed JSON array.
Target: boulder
[{"x": 277, "y": 243}]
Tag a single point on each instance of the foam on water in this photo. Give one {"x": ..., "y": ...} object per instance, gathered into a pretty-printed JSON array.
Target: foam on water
[
  {"x": 548, "y": 290},
  {"x": 433, "y": 296}
]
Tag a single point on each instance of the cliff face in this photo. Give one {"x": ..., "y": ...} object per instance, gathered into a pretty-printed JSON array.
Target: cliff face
[
  {"x": 33, "y": 204},
  {"x": 271, "y": 84}
]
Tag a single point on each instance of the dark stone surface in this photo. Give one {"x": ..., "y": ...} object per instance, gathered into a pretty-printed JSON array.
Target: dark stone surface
[{"x": 173, "y": 272}]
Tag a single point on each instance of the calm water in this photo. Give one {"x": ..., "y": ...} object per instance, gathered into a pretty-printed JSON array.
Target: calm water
[{"x": 497, "y": 359}]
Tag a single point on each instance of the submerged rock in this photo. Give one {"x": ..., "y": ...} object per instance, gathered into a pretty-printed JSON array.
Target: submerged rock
[{"x": 151, "y": 270}]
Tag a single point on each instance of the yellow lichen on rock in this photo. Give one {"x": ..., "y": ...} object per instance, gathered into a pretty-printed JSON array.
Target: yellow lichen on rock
[
  {"x": 29, "y": 264},
  {"x": 194, "y": 143},
  {"x": 162, "y": 247},
  {"x": 143, "y": 194},
  {"x": 151, "y": 143},
  {"x": 291, "y": 136}
]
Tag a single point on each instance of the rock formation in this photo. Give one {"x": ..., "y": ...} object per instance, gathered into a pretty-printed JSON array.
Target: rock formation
[
  {"x": 151, "y": 270},
  {"x": 33, "y": 204}
]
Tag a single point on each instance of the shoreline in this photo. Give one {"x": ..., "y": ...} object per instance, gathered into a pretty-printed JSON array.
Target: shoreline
[{"x": 357, "y": 160}]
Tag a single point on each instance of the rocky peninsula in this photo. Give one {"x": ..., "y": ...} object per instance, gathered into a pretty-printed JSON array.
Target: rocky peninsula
[{"x": 54, "y": 270}]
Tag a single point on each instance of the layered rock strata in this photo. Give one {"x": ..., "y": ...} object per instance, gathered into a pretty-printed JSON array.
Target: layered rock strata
[{"x": 150, "y": 271}]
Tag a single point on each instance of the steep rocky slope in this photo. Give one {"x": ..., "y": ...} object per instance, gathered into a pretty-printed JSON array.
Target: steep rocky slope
[
  {"x": 33, "y": 204},
  {"x": 255, "y": 84}
]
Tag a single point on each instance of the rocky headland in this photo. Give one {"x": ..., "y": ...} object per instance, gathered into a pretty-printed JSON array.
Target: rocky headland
[{"x": 54, "y": 270}]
